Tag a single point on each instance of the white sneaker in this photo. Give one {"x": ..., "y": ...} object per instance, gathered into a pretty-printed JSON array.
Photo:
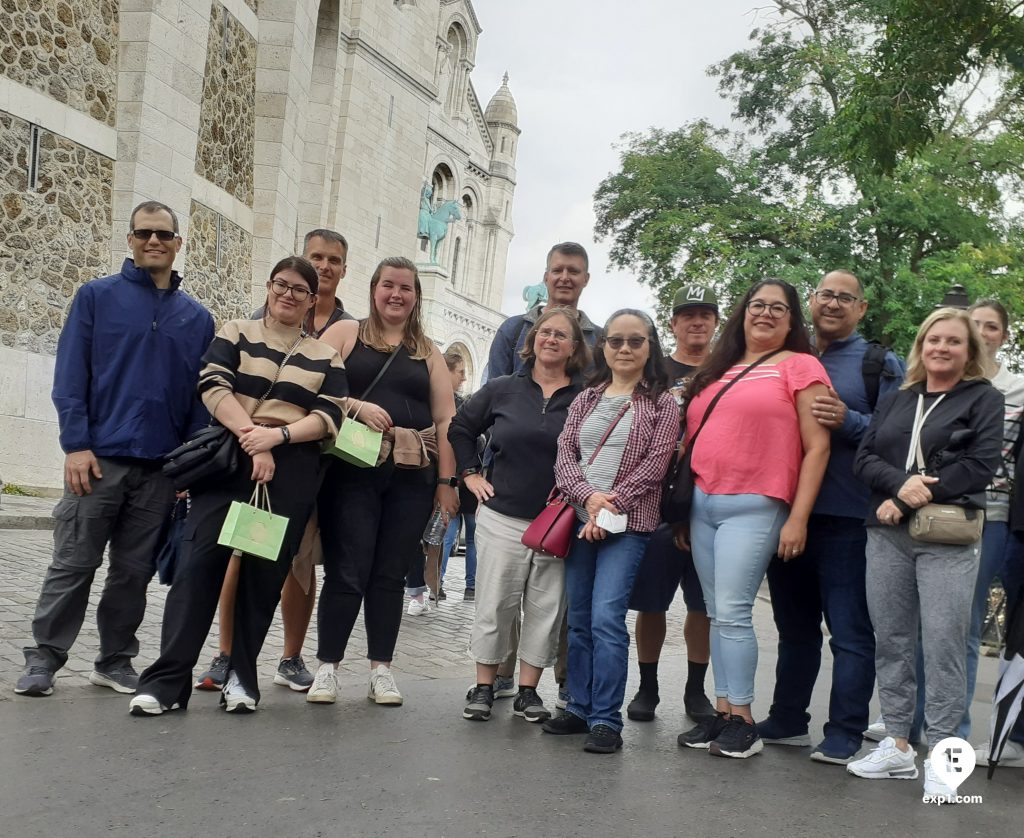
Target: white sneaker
[
  {"x": 418, "y": 607},
  {"x": 148, "y": 705},
  {"x": 234, "y": 697},
  {"x": 383, "y": 688},
  {"x": 1012, "y": 756},
  {"x": 933, "y": 786},
  {"x": 876, "y": 730},
  {"x": 886, "y": 762},
  {"x": 325, "y": 685}
]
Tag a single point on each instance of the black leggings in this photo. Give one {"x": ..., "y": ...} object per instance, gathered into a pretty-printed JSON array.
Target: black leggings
[
  {"x": 192, "y": 600},
  {"x": 371, "y": 521}
]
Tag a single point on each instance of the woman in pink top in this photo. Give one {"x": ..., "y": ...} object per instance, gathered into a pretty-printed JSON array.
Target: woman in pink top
[{"x": 757, "y": 464}]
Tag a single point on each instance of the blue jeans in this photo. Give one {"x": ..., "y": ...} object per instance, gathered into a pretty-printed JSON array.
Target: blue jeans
[
  {"x": 828, "y": 579},
  {"x": 733, "y": 537},
  {"x": 469, "y": 521},
  {"x": 599, "y": 578}
]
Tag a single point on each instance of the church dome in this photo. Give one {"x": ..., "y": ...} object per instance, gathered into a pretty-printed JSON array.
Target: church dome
[{"x": 502, "y": 107}]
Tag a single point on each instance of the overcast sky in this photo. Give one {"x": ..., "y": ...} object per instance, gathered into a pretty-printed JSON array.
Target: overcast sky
[{"x": 584, "y": 72}]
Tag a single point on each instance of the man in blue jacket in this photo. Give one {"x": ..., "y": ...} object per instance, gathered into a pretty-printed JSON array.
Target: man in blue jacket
[
  {"x": 566, "y": 274},
  {"x": 829, "y": 578},
  {"x": 125, "y": 392}
]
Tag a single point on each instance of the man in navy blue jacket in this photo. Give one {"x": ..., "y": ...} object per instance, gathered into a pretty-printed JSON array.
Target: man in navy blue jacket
[
  {"x": 125, "y": 392},
  {"x": 566, "y": 274},
  {"x": 829, "y": 578}
]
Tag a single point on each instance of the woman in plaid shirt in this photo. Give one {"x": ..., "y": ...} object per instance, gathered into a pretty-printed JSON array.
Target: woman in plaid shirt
[{"x": 622, "y": 485}]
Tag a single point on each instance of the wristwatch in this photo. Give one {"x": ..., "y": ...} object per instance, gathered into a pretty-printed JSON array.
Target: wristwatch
[
  {"x": 286, "y": 434},
  {"x": 448, "y": 481}
]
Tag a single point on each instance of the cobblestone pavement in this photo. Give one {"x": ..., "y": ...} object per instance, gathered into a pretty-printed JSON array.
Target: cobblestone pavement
[{"x": 429, "y": 646}]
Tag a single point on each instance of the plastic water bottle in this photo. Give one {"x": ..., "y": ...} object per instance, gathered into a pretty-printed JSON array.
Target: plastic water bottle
[{"x": 433, "y": 535}]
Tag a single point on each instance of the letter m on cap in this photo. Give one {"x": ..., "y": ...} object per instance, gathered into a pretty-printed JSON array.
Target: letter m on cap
[{"x": 695, "y": 293}]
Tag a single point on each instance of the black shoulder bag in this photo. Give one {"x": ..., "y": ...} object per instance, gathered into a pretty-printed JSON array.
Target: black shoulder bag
[{"x": 677, "y": 493}]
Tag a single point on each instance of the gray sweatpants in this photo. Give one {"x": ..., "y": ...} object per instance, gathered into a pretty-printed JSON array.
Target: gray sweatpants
[
  {"x": 127, "y": 509},
  {"x": 910, "y": 583}
]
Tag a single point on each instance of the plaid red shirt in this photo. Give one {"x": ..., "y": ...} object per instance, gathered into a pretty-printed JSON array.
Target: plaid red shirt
[{"x": 649, "y": 447}]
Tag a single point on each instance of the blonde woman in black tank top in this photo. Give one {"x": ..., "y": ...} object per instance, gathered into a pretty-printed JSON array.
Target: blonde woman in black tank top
[{"x": 371, "y": 519}]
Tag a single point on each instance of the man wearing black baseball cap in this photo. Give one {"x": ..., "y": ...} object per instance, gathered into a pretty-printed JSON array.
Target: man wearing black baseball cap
[{"x": 694, "y": 321}]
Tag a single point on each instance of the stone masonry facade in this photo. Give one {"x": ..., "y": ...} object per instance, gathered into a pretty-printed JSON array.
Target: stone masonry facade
[
  {"x": 65, "y": 49},
  {"x": 227, "y": 134},
  {"x": 53, "y": 237},
  {"x": 219, "y": 276}
]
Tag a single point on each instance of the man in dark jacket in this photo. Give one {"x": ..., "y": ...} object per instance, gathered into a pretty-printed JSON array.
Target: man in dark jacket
[
  {"x": 566, "y": 274},
  {"x": 125, "y": 392}
]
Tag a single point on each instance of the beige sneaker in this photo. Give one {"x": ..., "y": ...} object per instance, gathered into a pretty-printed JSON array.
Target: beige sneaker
[
  {"x": 325, "y": 685},
  {"x": 383, "y": 689}
]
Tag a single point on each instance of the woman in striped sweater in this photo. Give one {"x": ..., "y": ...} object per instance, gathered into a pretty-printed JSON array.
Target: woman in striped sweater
[{"x": 280, "y": 391}]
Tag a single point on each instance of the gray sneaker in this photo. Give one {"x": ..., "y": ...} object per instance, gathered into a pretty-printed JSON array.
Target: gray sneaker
[
  {"x": 292, "y": 673},
  {"x": 216, "y": 675},
  {"x": 36, "y": 681},
  {"x": 529, "y": 705},
  {"x": 121, "y": 678},
  {"x": 504, "y": 686},
  {"x": 478, "y": 704}
]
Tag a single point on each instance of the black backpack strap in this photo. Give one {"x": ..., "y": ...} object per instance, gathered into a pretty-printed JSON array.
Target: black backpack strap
[{"x": 871, "y": 370}]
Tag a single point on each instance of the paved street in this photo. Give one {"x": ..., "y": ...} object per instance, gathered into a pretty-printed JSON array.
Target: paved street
[{"x": 77, "y": 764}]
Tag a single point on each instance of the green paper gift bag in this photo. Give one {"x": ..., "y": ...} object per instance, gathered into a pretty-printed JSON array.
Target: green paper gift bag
[
  {"x": 357, "y": 444},
  {"x": 252, "y": 528}
]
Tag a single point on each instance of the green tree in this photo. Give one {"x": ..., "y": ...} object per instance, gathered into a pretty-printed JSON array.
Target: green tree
[{"x": 884, "y": 136}]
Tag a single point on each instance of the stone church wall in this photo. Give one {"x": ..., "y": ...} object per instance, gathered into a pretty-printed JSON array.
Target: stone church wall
[
  {"x": 227, "y": 132},
  {"x": 52, "y": 238},
  {"x": 67, "y": 50},
  {"x": 219, "y": 277}
]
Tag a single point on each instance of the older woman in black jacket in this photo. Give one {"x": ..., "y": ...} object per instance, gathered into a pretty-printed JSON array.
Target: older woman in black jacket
[
  {"x": 957, "y": 415},
  {"x": 524, "y": 414}
]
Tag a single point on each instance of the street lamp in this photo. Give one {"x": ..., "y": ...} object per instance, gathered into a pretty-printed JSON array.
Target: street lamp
[{"x": 955, "y": 297}]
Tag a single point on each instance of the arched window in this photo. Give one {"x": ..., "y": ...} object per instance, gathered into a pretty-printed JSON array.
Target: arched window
[{"x": 443, "y": 182}]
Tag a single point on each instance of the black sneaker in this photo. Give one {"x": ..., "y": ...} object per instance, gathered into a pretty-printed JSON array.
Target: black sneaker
[
  {"x": 216, "y": 675},
  {"x": 739, "y": 740},
  {"x": 698, "y": 707},
  {"x": 292, "y": 673},
  {"x": 602, "y": 740},
  {"x": 37, "y": 681},
  {"x": 704, "y": 733},
  {"x": 565, "y": 724},
  {"x": 479, "y": 701},
  {"x": 529, "y": 705},
  {"x": 641, "y": 708},
  {"x": 120, "y": 678},
  {"x": 469, "y": 595}
]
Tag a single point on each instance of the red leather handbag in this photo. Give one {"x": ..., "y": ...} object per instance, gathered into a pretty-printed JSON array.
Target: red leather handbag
[{"x": 551, "y": 532}]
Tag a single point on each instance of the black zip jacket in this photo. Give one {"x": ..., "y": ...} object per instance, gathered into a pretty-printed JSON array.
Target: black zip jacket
[
  {"x": 524, "y": 439},
  {"x": 962, "y": 444}
]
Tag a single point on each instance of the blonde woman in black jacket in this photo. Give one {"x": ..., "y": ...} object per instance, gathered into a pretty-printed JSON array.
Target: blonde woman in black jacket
[{"x": 911, "y": 581}]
